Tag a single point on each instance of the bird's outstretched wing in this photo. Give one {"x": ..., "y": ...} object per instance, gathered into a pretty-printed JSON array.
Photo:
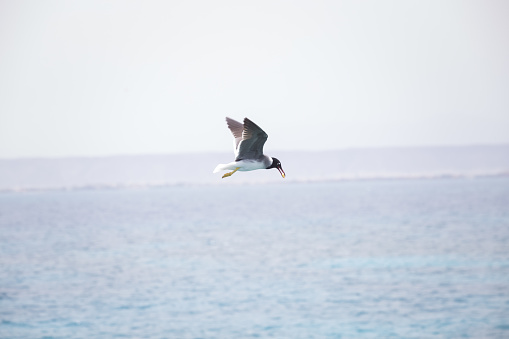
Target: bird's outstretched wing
[
  {"x": 253, "y": 139},
  {"x": 249, "y": 139}
]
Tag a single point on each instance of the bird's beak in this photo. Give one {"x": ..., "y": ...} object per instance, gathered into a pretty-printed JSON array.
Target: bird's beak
[{"x": 281, "y": 171}]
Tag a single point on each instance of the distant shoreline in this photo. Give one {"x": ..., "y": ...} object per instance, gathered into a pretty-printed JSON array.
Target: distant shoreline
[
  {"x": 119, "y": 172},
  {"x": 134, "y": 186}
]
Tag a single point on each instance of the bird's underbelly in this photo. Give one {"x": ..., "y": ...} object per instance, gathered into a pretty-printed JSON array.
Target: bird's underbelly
[{"x": 248, "y": 165}]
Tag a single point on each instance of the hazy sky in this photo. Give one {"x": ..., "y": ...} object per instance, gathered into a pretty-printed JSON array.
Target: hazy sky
[{"x": 123, "y": 77}]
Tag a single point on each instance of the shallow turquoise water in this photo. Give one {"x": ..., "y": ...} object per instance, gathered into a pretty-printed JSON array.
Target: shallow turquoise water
[{"x": 364, "y": 259}]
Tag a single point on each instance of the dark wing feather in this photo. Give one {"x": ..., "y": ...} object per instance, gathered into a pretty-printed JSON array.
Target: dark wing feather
[{"x": 253, "y": 139}]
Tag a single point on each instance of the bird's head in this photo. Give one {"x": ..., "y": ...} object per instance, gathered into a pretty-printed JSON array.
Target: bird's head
[{"x": 277, "y": 164}]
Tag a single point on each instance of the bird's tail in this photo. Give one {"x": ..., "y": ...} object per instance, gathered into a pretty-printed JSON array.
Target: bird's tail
[{"x": 220, "y": 167}]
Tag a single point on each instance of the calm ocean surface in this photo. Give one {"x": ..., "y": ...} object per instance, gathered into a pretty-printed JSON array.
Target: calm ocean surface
[{"x": 360, "y": 259}]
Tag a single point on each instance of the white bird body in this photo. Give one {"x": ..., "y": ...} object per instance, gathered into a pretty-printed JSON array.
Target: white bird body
[{"x": 245, "y": 165}]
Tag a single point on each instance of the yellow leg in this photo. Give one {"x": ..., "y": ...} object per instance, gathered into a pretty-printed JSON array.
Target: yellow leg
[{"x": 230, "y": 173}]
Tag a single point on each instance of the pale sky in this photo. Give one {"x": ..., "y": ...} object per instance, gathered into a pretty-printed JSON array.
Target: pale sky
[{"x": 87, "y": 78}]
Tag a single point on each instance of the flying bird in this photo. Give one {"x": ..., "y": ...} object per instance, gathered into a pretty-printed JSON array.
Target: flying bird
[{"x": 248, "y": 148}]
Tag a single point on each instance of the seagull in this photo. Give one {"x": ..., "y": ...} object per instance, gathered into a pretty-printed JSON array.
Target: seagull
[{"x": 248, "y": 149}]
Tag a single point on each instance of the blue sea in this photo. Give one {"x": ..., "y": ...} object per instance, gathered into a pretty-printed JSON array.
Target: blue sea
[{"x": 352, "y": 259}]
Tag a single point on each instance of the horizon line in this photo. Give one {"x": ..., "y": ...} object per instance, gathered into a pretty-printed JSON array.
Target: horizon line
[{"x": 117, "y": 155}]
